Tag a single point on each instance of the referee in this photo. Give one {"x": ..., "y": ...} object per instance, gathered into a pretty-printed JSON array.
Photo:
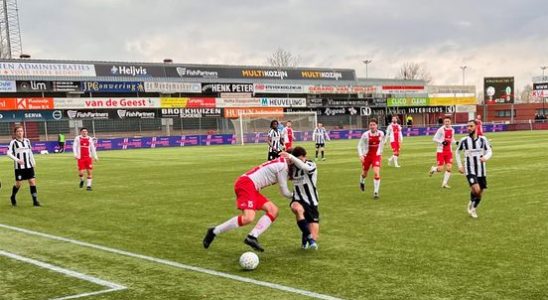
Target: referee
[
  {"x": 20, "y": 151},
  {"x": 476, "y": 152}
]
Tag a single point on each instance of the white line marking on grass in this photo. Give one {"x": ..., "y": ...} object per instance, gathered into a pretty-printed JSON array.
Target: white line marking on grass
[
  {"x": 176, "y": 264},
  {"x": 112, "y": 287}
]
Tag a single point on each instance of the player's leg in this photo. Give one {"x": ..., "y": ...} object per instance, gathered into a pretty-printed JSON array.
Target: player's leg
[
  {"x": 81, "y": 170},
  {"x": 298, "y": 210},
  {"x": 440, "y": 162},
  {"x": 312, "y": 216},
  {"x": 366, "y": 164},
  {"x": 376, "y": 179},
  {"x": 475, "y": 198},
  {"x": 447, "y": 175},
  {"x": 322, "y": 149},
  {"x": 34, "y": 191},
  {"x": 271, "y": 212},
  {"x": 317, "y": 150},
  {"x": 14, "y": 191},
  {"x": 89, "y": 172},
  {"x": 396, "y": 155}
]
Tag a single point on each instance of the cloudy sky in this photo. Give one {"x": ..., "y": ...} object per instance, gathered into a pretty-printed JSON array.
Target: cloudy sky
[{"x": 493, "y": 38}]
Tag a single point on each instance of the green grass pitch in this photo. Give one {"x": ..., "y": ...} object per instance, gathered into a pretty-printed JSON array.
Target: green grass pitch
[{"x": 416, "y": 242}]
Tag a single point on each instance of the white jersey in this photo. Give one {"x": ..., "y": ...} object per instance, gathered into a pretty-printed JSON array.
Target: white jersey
[
  {"x": 275, "y": 137},
  {"x": 369, "y": 141},
  {"x": 304, "y": 177},
  {"x": 21, "y": 150},
  {"x": 394, "y": 132},
  {"x": 474, "y": 149},
  {"x": 320, "y": 135},
  {"x": 444, "y": 134},
  {"x": 269, "y": 173}
]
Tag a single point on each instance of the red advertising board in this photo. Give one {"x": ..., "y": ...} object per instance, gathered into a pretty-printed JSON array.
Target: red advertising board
[
  {"x": 26, "y": 103},
  {"x": 200, "y": 103}
]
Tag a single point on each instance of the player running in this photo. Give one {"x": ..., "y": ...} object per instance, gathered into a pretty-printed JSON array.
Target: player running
[
  {"x": 479, "y": 126},
  {"x": 249, "y": 200},
  {"x": 476, "y": 152},
  {"x": 305, "y": 196},
  {"x": 20, "y": 151},
  {"x": 444, "y": 137},
  {"x": 287, "y": 136},
  {"x": 274, "y": 141},
  {"x": 395, "y": 135},
  {"x": 320, "y": 136},
  {"x": 370, "y": 150},
  {"x": 84, "y": 151}
]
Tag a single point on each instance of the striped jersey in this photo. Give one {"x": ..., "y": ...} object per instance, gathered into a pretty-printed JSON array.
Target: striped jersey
[
  {"x": 21, "y": 150},
  {"x": 275, "y": 140},
  {"x": 304, "y": 177},
  {"x": 394, "y": 132},
  {"x": 444, "y": 134},
  {"x": 320, "y": 135},
  {"x": 474, "y": 149}
]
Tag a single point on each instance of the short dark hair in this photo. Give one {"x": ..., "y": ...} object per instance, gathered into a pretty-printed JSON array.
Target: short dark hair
[
  {"x": 17, "y": 127},
  {"x": 447, "y": 117},
  {"x": 473, "y": 121},
  {"x": 298, "y": 151},
  {"x": 83, "y": 128},
  {"x": 272, "y": 123},
  {"x": 373, "y": 120}
]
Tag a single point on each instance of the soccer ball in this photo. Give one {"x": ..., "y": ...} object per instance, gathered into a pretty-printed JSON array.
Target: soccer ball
[{"x": 249, "y": 261}]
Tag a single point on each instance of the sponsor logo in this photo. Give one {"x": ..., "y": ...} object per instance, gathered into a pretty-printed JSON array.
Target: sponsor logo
[
  {"x": 229, "y": 88},
  {"x": 122, "y": 113},
  {"x": 75, "y": 114},
  {"x": 278, "y": 88},
  {"x": 264, "y": 74},
  {"x": 7, "y": 86},
  {"x": 57, "y": 115},
  {"x": 192, "y": 112},
  {"x": 33, "y": 86},
  {"x": 186, "y": 72},
  {"x": 321, "y": 75},
  {"x": 129, "y": 70},
  {"x": 334, "y": 111}
]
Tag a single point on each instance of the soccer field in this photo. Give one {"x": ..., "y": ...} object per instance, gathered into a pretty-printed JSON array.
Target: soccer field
[{"x": 141, "y": 228}]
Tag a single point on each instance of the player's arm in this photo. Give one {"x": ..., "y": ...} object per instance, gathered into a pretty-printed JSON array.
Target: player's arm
[
  {"x": 282, "y": 183},
  {"x": 326, "y": 133},
  {"x": 400, "y": 135},
  {"x": 460, "y": 147},
  {"x": 269, "y": 139},
  {"x": 363, "y": 145},
  {"x": 92, "y": 149},
  {"x": 439, "y": 136},
  {"x": 488, "y": 152},
  {"x": 11, "y": 151},
  {"x": 31, "y": 155},
  {"x": 76, "y": 147},
  {"x": 307, "y": 167},
  {"x": 382, "y": 141}
]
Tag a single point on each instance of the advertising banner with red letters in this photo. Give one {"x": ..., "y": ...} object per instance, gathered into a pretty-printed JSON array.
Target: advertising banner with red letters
[
  {"x": 101, "y": 103},
  {"x": 235, "y": 112}
]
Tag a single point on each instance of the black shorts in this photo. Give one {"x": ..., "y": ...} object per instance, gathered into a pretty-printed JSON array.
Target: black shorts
[
  {"x": 322, "y": 145},
  {"x": 473, "y": 179},
  {"x": 273, "y": 155},
  {"x": 24, "y": 174},
  {"x": 311, "y": 213}
]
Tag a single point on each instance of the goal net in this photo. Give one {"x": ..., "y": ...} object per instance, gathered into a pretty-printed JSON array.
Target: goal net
[{"x": 253, "y": 127}]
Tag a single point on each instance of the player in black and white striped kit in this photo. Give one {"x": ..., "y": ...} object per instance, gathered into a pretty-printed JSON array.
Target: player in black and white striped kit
[
  {"x": 274, "y": 141},
  {"x": 20, "y": 151},
  {"x": 305, "y": 201},
  {"x": 476, "y": 152},
  {"x": 320, "y": 135}
]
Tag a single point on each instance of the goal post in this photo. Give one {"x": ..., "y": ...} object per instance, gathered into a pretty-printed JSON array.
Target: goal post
[{"x": 256, "y": 123}]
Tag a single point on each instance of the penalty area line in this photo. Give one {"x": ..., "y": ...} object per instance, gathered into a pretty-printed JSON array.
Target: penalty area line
[
  {"x": 112, "y": 287},
  {"x": 175, "y": 264}
]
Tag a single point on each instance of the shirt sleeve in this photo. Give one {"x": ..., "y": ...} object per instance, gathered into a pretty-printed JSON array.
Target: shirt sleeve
[
  {"x": 438, "y": 137},
  {"x": 11, "y": 151},
  {"x": 400, "y": 134},
  {"x": 307, "y": 167},
  {"x": 458, "y": 154},
  {"x": 362, "y": 145},
  {"x": 488, "y": 152},
  {"x": 282, "y": 182},
  {"x": 31, "y": 154},
  {"x": 327, "y": 135},
  {"x": 92, "y": 150},
  {"x": 76, "y": 147}
]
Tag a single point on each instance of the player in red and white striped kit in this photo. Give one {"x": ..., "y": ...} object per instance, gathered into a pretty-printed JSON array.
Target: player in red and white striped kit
[
  {"x": 287, "y": 135},
  {"x": 444, "y": 138},
  {"x": 395, "y": 136},
  {"x": 370, "y": 150},
  {"x": 84, "y": 151},
  {"x": 249, "y": 200}
]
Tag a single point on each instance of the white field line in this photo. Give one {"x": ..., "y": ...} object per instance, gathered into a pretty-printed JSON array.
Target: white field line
[
  {"x": 176, "y": 264},
  {"x": 112, "y": 287}
]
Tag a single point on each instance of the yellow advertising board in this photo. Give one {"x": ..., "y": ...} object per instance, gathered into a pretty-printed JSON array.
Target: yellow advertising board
[
  {"x": 450, "y": 101},
  {"x": 166, "y": 102}
]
